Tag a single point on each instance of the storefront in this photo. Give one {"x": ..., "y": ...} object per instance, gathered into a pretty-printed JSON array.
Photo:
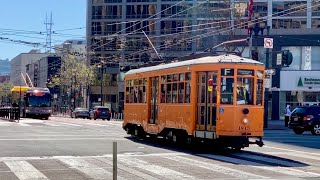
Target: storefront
[{"x": 299, "y": 88}]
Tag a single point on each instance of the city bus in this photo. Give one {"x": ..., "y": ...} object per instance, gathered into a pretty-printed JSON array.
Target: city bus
[
  {"x": 215, "y": 99},
  {"x": 35, "y": 101}
]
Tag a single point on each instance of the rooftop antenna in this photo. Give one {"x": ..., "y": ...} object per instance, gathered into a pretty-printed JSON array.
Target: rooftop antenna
[
  {"x": 48, "y": 24},
  {"x": 159, "y": 56}
]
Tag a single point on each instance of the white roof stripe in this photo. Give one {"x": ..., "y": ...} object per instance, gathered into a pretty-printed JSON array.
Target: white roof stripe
[{"x": 203, "y": 60}]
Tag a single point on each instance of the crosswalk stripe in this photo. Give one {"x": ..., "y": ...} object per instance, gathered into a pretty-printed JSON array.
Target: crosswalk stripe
[
  {"x": 96, "y": 124},
  {"x": 23, "y": 124},
  {"x": 51, "y": 124},
  {"x": 89, "y": 169},
  {"x": 267, "y": 159},
  {"x": 278, "y": 169},
  {"x": 129, "y": 170},
  {"x": 70, "y": 124},
  {"x": 214, "y": 167},
  {"x": 24, "y": 170},
  {"x": 159, "y": 170}
]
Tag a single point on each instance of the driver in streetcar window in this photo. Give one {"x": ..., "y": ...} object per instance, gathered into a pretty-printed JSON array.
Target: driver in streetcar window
[{"x": 243, "y": 95}]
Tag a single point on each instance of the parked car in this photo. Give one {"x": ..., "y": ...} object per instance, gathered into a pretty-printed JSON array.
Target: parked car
[
  {"x": 305, "y": 118},
  {"x": 100, "y": 112},
  {"x": 80, "y": 112}
]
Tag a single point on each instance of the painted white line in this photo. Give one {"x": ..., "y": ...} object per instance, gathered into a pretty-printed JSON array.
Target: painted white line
[
  {"x": 159, "y": 170},
  {"x": 23, "y": 124},
  {"x": 128, "y": 169},
  {"x": 96, "y": 124},
  {"x": 24, "y": 170},
  {"x": 81, "y": 157},
  {"x": 51, "y": 124},
  {"x": 64, "y": 139},
  {"x": 270, "y": 160},
  {"x": 290, "y": 150},
  {"x": 277, "y": 169},
  {"x": 215, "y": 167},
  {"x": 70, "y": 124},
  {"x": 89, "y": 169},
  {"x": 31, "y": 121}
]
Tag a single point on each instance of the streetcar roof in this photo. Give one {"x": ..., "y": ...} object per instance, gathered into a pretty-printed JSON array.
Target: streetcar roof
[{"x": 222, "y": 59}]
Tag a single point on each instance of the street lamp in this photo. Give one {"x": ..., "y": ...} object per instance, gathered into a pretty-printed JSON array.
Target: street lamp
[{"x": 101, "y": 81}]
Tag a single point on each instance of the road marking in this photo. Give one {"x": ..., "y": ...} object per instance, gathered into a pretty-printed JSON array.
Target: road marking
[
  {"x": 70, "y": 124},
  {"x": 51, "y": 124},
  {"x": 23, "y": 124},
  {"x": 214, "y": 167},
  {"x": 162, "y": 171},
  {"x": 284, "y": 149},
  {"x": 24, "y": 170},
  {"x": 128, "y": 169},
  {"x": 96, "y": 124},
  {"x": 89, "y": 169},
  {"x": 64, "y": 139},
  {"x": 277, "y": 169}
]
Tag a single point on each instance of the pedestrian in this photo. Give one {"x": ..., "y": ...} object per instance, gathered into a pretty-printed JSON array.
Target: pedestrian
[{"x": 287, "y": 113}]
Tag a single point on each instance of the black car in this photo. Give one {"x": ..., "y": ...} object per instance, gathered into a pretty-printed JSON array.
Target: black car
[
  {"x": 100, "y": 112},
  {"x": 305, "y": 118},
  {"x": 80, "y": 112}
]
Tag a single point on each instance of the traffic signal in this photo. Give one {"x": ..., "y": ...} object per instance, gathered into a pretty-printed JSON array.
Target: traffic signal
[
  {"x": 286, "y": 58},
  {"x": 255, "y": 55}
]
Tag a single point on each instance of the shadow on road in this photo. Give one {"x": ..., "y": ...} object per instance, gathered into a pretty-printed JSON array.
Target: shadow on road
[{"x": 242, "y": 157}]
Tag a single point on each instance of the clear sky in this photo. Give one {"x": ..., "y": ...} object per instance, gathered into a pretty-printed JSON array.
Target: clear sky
[{"x": 30, "y": 15}]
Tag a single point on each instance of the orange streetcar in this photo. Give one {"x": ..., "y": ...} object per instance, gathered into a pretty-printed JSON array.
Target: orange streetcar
[{"x": 206, "y": 98}]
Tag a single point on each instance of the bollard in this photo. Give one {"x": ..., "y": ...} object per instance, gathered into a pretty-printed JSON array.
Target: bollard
[{"x": 115, "y": 160}]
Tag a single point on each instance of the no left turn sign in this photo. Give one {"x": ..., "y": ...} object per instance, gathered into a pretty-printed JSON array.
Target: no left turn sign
[{"x": 268, "y": 43}]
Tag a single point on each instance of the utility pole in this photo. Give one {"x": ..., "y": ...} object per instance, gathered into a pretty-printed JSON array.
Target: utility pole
[
  {"x": 101, "y": 83},
  {"x": 266, "y": 92},
  {"x": 250, "y": 9}
]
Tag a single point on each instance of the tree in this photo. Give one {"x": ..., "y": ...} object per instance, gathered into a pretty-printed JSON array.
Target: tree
[
  {"x": 74, "y": 74},
  {"x": 5, "y": 92}
]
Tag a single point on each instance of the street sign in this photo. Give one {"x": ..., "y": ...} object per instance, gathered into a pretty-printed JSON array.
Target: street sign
[
  {"x": 268, "y": 43},
  {"x": 275, "y": 89},
  {"x": 271, "y": 72},
  {"x": 279, "y": 59},
  {"x": 267, "y": 81}
]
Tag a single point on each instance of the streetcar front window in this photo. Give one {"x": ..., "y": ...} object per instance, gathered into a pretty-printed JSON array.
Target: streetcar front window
[
  {"x": 226, "y": 90},
  {"x": 245, "y": 90}
]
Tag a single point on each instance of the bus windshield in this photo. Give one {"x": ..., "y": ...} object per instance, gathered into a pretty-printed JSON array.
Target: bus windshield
[{"x": 38, "y": 101}]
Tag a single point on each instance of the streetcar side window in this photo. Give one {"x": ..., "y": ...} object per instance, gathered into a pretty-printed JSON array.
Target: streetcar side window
[
  {"x": 259, "y": 87},
  {"x": 136, "y": 91},
  {"x": 175, "y": 88}
]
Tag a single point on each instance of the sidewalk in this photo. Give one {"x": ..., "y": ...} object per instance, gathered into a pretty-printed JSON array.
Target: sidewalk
[{"x": 276, "y": 125}]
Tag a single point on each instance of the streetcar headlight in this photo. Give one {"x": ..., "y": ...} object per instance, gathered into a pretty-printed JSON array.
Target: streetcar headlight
[
  {"x": 245, "y": 120},
  {"x": 27, "y": 111}
]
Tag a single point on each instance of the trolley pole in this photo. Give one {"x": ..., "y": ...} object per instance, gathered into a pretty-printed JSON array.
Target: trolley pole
[{"x": 266, "y": 92}]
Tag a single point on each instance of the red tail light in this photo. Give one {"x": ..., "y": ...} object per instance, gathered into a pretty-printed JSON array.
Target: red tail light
[
  {"x": 98, "y": 111},
  {"x": 307, "y": 117},
  {"x": 110, "y": 112}
]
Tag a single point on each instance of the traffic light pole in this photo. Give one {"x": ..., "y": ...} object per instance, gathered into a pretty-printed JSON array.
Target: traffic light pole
[{"x": 266, "y": 92}]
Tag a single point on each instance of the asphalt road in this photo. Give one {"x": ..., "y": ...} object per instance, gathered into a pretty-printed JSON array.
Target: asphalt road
[{"x": 65, "y": 148}]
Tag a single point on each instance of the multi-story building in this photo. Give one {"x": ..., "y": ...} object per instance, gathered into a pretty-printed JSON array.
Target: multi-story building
[
  {"x": 18, "y": 65},
  {"x": 114, "y": 33}
]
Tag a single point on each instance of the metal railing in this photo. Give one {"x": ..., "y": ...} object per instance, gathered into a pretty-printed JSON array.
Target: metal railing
[{"x": 10, "y": 113}]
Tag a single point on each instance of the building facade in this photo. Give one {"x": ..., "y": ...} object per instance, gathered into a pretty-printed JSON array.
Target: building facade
[
  {"x": 18, "y": 65},
  {"x": 192, "y": 26}
]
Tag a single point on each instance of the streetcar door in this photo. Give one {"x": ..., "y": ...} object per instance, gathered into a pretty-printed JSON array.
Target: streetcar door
[
  {"x": 154, "y": 100},
  {"x": 207, "y": 101}
]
